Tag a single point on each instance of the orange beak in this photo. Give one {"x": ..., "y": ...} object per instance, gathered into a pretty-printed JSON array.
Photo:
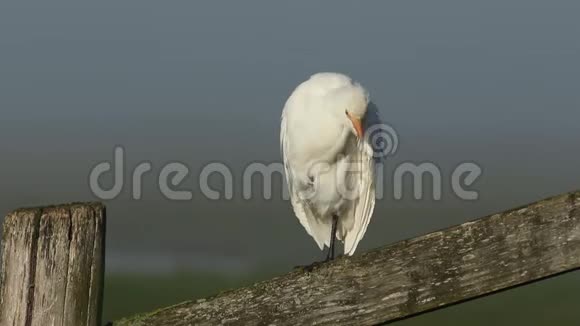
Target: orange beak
[{"x": 357, "y": 124}]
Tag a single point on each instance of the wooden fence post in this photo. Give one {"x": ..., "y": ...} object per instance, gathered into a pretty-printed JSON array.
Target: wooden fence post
[{"x": 53, "y": 265}]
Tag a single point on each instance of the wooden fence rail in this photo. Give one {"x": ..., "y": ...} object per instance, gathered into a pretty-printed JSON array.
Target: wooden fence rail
[
  {"x": 464, "y": 262},
  {"x": 53, "y": 262},
  {"x": 52, "y": 266}
]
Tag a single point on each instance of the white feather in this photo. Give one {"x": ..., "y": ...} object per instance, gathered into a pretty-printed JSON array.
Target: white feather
[{"x": 316, "y": 146}]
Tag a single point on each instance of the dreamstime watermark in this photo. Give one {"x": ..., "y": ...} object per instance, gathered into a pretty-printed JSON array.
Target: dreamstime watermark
[{"x": 383, "y": 141}]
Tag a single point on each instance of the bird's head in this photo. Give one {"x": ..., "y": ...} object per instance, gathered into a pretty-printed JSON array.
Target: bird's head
[{"x": 355, "y": 102}]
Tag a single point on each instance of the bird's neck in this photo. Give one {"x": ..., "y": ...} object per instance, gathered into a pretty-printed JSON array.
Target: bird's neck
[{"x": 339, "y": 145}]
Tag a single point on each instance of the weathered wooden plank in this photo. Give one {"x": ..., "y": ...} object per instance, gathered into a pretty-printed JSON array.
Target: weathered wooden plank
[
  {"x": 65, "y": 246},
  {"x": 404, "y": 279},
  {"x": 52, "y": 259},
  {"x": 79, "y": 267},
  {"x": 97, "y": 271},
  {"x": 18, "y": 265}
]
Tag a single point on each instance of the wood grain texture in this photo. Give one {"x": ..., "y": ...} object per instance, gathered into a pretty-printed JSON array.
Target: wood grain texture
[
  {"x": 97, "y": 271},
  {"x": 55, "y": 255},
  {"x": 474, "y": 259},
  {"x": 18, "y": 263},
  {"x": 52, "y": 259}
]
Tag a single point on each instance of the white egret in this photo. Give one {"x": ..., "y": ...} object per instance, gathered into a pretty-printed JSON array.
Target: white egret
[{"x": 328, "y": 159}]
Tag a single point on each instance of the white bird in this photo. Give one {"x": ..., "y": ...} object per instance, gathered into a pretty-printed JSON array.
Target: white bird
[{"x": 328, "y": 161}]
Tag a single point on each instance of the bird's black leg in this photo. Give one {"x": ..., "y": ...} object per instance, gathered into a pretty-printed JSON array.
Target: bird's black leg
[{"x": 330, "y": 255}]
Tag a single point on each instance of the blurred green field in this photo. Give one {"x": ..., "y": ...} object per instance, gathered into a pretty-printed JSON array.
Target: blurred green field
[
  {"x": 128, "y": 294},
  {"x": 550, "y": 302}
]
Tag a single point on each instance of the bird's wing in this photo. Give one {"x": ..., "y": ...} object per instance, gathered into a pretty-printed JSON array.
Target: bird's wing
[
  {"x": 363, "y": 157},
  {"x": 301, "y": 209}
]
